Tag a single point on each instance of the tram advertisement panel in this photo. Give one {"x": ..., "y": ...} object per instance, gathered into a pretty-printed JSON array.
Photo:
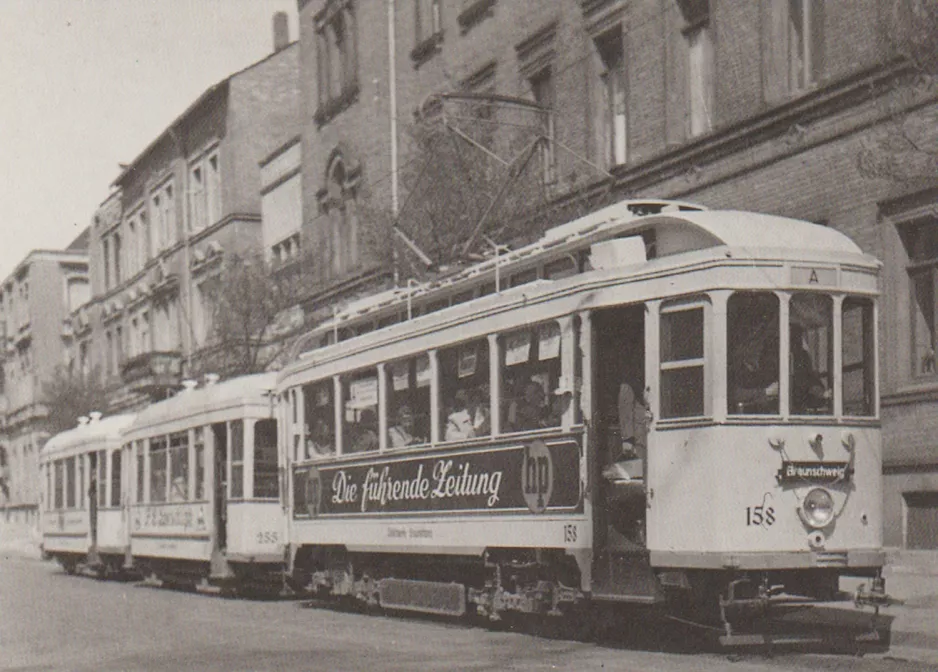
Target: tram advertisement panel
[{"x": 537, "y": 477}]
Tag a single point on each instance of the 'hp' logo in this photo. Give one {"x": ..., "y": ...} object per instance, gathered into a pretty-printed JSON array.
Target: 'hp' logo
[{"x": 537, "y": 476}]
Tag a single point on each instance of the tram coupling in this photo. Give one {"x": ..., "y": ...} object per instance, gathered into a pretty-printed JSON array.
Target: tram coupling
[{"x": 875, "y": 596}]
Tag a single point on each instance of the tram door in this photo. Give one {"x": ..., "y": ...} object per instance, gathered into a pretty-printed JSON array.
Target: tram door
[
  {"x": 220, "y": 436},
  {"x": 620, "y": 436}
]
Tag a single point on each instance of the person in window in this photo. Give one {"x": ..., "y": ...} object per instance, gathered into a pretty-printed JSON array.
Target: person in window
[
  {"x": 479, "y": 411},
  {"x": 459, "y": 422},
  {"x": 319, "y": 442},
  {"x": 628, "y": 462},
  {"x": 530, "y": 411},
  {"x": 809, "y": 394},
  {"x": 366, "y": 438},
  {"x": 403, "y": 432},
  {"x": 753, "y": 372}
]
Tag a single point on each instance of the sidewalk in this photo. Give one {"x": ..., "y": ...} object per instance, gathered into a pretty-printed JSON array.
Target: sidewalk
[{"x": 19, "y": 540}]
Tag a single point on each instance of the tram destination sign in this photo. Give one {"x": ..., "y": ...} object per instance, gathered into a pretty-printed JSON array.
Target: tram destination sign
[
  {"x": 794, "y": 473},
  {"x": 533, "y": 477}
]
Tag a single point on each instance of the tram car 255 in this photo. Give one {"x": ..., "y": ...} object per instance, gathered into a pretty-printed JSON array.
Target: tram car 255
[
  {"x": 84, "y": 472},
  {"x": 206, "y": 487},
  {"x": 655, "y": 404}
]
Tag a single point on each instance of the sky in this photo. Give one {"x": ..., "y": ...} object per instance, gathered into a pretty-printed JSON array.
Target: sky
[{"x": 88, "y": 84}]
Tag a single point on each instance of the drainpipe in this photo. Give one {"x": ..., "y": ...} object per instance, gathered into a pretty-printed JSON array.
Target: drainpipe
[{"x": 392, "y": 113}]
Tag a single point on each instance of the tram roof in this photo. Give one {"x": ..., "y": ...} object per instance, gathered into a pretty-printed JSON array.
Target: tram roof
[
  {"x": 88, "y": 435},
  {"x": 679, "y": 227},
  {"x": 227, "y": 394}
]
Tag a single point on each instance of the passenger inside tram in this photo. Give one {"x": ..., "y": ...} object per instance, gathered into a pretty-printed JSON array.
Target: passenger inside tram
[
  {"x": 466, "y": 420},
  {"x": 809, "y": 393},
  {"x": 403, "y": 433},
  {"x": 320, "y": 442},
  {"x": 530, "y": 410},
  {"x": 365, "y": 437}
]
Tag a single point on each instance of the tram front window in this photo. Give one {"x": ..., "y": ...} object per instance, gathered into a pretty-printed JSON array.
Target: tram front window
[
  {"x": 811, "y": 332},
  {"x": 752, "y": 338}
]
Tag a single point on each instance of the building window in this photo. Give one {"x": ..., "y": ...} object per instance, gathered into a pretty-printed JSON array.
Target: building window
[
  {"x": 106, "y": 255},
  {"x": 700, "y": 81},
  {"x": 204, "y": 192},
  {"x": 801, "y": 45},
  {"x": 336, "y": 56},
  {"x": 339, "y": 205},
  {"x": 117, "y": 258},
  {"x": 428, "y": 20},
  {"x": 612, "y": 80},
  {"x": 542, "y": 89},
  {"x": 482, "y": 111},
  {"x": 163, "y": 217},
  {"x": 921, "y": 242}
]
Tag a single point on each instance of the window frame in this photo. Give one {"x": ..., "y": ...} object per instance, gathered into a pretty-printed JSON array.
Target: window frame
[{"x": 704, "y": 362}]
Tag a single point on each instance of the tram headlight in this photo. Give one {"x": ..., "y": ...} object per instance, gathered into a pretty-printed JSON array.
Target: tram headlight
[{"x": 818, "y": 508}]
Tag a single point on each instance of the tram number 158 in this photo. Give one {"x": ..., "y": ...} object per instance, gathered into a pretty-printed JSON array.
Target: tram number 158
[{"x": 762, "y": 516}]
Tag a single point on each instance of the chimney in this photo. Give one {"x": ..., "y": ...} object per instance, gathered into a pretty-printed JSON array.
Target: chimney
[{"x": 281, "y": 31}]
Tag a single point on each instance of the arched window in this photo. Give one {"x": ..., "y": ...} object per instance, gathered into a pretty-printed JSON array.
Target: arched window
[{"x": 338, "y": 204}]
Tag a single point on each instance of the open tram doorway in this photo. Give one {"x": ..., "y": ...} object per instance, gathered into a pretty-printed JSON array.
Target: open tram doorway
[
  {"x": 621, "y": 569},
  {"x": 220, "y": 485}
]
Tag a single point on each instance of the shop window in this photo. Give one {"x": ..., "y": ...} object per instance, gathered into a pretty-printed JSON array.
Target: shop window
[
  {"x": 682, "y": 360},
  {"x": 811, "y": 333},
  {"x": 464, "y": 391},
  {"x": 408, "y": 396},
  {"x": 753, "y": 353},
  {"x": 530, "y": 363},
  {"x": 360, "y": 412},
  {"x": 266, "y": 483}
]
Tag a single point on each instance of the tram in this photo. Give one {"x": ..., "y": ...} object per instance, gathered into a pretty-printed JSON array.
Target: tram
[
  {"x": 206, "y": 487},
  {"x": 84, "y": 508},
  {"x": 656, "y": 404}
]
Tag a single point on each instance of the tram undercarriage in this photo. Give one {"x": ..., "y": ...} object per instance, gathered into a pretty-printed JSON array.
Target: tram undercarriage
[{"x": 736, "y": 607}]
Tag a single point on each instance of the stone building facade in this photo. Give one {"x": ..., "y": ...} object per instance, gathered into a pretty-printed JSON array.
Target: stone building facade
[
  {"x": 35, "y": 302},
  {"x": 158, "y": 242}
]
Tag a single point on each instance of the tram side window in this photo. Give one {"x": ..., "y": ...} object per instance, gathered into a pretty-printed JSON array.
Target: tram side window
[
  {"x": 59, "y": 484},
  {"x": 101, "y": 478},
  {"x": 464, "y": 391},
  {"x": 266, "y": 483},
  {"x": 682, "y": 360},
  {"x": 116, "y": 477},
  {"x": 530, "y": 376},
  {"x": 158, "y": 474},
  {"x": 179, "y": 466},
  {"x": 80, "y": 493},
  {"x": 199, "y": 446},
  {"x": 236, "y": 450},
  {"x": 360, "y": 412},
  {"x": 858, "y": 356},
  {"x": 70, "y": 480},
  {"x": 811, "y": 335},
  {"x": 408, "y": 395},
  {"x": 753, "y": 353},
  {"x": 48, "y": 498},
  {"x": 320, "y": 419},
  {"x": 141, "y": 469}
]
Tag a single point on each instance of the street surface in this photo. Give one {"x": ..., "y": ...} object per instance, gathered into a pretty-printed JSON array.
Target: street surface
[{"x": 51, "y": 621}]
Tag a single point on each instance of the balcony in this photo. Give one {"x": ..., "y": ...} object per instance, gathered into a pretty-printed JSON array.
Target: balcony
[{"x": 152, "y": 371}]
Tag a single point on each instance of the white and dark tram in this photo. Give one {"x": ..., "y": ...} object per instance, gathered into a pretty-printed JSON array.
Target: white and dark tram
[
  {"x": 84, "y": 472},
  {"x": 205, "y": 487},
  {"x": 655, "y": 404}
]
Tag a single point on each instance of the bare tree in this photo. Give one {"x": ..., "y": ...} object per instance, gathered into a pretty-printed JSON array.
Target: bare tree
[
  {"x": 906, "y": 146},
  {"x": 254, "y": 309},
  {"x": 69, "y": 395}
]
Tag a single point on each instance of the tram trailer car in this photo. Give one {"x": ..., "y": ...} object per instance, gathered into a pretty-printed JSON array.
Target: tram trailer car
[
  {"x": 206, "y": 487},
  {"x": 84, "y": 508},
  {"x": 653, "y": 405}
]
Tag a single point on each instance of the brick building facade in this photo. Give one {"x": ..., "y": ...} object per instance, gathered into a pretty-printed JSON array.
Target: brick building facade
[
  {"x": 760, "y": 106},
  {"x": 35, "y": 301}
]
